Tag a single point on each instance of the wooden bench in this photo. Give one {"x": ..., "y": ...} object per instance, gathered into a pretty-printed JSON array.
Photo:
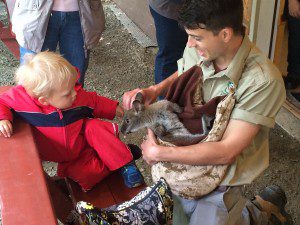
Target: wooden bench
[
  {"x": 25, "y": 189},
  {"x": 110, "y": 191},
  {"x": 24, "y": 197}
]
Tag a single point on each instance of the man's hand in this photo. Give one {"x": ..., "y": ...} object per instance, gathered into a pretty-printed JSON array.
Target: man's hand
[
  {"x": 149, "y": 95},
  {"x": 294, "y": 8},
  {"x": 6, "y": 128},
  {"x": 150, "y": 148}
]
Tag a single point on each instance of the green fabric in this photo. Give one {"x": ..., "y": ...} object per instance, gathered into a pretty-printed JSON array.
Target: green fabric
[{"x": 259, "y": 95}]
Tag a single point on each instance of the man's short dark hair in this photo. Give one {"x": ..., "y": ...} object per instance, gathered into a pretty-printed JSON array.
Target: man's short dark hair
[{"x": 213, "y": 15}]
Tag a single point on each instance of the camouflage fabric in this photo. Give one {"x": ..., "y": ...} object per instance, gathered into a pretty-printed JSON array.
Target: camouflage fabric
[{"x": 192, "y": 182}]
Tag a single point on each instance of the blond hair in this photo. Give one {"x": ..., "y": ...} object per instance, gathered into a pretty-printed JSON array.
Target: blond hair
[{"x": 44, "y": 72}]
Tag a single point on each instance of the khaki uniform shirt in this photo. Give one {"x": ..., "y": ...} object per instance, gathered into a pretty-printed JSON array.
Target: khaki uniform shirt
[{"x": 259, "y": 95}]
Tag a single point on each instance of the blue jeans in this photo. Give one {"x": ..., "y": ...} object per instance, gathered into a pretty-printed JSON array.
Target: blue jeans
[
  {"x": 64, "y": 29},
  {"x": 171, "y": 40}
]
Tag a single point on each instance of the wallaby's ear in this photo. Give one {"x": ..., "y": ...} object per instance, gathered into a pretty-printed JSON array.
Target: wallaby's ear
[
  {"x": 139, "y": 97},
  {"x": 137, "y": 106}
]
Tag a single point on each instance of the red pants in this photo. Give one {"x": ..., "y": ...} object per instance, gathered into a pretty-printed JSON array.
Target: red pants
[{"x": 104, "y": 152}]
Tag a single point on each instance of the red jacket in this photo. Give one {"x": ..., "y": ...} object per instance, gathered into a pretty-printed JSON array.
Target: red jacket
[{"x": 58, "y": 133}]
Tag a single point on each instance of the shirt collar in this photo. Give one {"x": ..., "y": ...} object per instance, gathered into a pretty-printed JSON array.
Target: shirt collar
[{"x": 235, "y": 68}]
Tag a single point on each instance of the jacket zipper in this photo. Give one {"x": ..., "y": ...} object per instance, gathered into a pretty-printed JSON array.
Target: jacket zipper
[{"x": 61, "y": 117}]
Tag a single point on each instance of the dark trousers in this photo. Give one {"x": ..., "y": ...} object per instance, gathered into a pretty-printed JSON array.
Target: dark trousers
[
  {"x": 294, "y": 48},
  {"x": 171, "y": 40}
]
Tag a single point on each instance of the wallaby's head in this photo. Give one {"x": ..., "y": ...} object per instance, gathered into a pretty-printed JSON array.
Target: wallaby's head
[{"x": 132, "y": 118}]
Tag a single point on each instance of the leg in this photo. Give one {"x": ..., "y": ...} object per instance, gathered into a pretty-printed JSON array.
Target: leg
[
  {"x": 212, "y": 209},
  {"x": 71, "y": 43},
  {"x": 24, "y": 51},
  {"x": 168, "y": 35},
  {"x": 87, "y": 169},
  {"x": 294, "y": 50},
  {"x": 103, "y": 137},
  {"x": 53, "y": 32}
]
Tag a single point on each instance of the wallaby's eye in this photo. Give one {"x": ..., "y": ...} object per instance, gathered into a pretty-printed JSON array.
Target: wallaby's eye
[{"x": 127, "y": 120}]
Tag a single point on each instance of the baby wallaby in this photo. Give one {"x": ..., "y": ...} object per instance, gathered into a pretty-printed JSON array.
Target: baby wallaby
[{"x": 161, "y": 117}]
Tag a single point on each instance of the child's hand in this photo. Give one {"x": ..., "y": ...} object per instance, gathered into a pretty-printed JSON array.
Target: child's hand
[
  {"x": 5, "y": 128},
  {"x": 120, "y": 111}
]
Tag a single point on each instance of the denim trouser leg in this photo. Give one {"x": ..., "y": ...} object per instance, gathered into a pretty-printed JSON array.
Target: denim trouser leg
[
  {"x": 294, "y": 48},
  {"x": 24, "y": 51},
  {"x": 64, "y": 28},
  {"x": 171, "y": 40}
]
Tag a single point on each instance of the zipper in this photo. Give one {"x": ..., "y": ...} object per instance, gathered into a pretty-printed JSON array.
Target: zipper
[{"x": 61, "y": 117}]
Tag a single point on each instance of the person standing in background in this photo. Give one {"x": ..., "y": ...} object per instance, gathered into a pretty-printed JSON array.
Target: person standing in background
[
  {"x": 74, "y": 25},
  {"x": 171, "y": 39},
  {"x": 292, "y": 80}
]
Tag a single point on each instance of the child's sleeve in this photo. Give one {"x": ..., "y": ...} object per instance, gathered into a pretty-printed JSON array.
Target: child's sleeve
[
  {"x": 103, "y": 107},
  {"x": 5, "y": 112}
]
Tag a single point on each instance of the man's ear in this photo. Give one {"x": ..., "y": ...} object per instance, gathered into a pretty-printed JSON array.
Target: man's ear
[
  {"x": 226, "y": 34},
  {"x": 43, "y": 100}
]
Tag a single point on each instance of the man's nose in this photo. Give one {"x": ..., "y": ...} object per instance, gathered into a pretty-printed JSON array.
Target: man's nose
[{"x": 191, "y": 42}]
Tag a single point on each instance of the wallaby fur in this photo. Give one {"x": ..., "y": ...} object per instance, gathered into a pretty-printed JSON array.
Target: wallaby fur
[{"x": 161, "y": 117}]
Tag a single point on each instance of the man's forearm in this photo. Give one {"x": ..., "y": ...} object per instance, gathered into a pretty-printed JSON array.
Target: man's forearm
[
  {"x": 162, "y": 87},
  {"x": 206, "y": 153}
]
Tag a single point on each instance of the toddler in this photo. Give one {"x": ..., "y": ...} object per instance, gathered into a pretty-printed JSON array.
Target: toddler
[{"x": 65, "y": 121}]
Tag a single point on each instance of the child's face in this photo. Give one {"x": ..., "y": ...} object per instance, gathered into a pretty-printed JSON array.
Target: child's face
[{"x": 64, "y": 96}]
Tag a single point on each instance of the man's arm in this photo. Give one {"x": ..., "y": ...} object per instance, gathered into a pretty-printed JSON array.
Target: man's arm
[
  {"x": 238, "y": 135},
  {"x": 150, "y": 94}
]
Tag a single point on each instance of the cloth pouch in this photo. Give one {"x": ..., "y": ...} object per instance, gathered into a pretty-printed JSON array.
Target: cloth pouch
[{"x": 188, "y": 181}]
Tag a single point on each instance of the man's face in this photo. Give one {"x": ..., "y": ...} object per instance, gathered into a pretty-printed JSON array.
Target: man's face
[{"x": 208, "y": 45}]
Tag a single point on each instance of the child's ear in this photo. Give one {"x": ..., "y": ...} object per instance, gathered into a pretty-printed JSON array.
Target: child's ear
[{"x": 43, "y": 100}]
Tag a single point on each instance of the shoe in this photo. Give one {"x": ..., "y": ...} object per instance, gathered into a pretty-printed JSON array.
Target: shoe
[
  {"x": 131, "y": 175},
  {"x": 272, "y": 201},
  {"x": 135, "y": 151}
]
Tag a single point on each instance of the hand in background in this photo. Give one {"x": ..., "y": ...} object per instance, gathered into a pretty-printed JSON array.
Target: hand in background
[
  {"x": 294, "y": 8},
  {"x": 6, "y": 129}
]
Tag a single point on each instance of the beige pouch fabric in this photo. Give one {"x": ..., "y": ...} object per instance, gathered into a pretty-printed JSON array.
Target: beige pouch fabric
[{"x": 192, "y": 182}]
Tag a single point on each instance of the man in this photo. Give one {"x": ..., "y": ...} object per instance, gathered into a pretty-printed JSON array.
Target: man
[
  {"x": 171, "y": 38},
  {"x": 217, "y": 42}
]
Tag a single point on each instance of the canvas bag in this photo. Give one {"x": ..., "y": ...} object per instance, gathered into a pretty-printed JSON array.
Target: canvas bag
[
  {"x": 188, "y": 181},
  {"x": 152, "y": 206}
]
